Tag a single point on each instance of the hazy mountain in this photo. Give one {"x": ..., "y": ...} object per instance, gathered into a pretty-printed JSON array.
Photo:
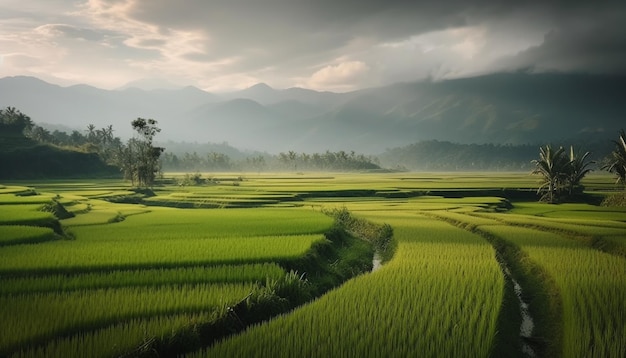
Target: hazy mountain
[
  {"x": 260, "y": 92},
  {"x": 513, "y": 108},
  {"x": 297, "y": 110},
  {"x": 149, "y": 84},
  {"x": 78, "y": 106}
]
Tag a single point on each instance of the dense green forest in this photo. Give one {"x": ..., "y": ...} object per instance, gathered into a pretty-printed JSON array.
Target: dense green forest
[{"x": 22, "y": 156}]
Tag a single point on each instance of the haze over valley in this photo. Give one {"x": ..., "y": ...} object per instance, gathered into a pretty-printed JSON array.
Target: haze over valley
[{"x": 507, "y": 108}]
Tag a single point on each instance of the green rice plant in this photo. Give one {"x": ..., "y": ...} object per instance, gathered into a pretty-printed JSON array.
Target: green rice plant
[
  {"x": 440, "y": 295},
  {"x": 71, "y": 256},
  {"x": 77, "y": 207},
  {"x": 93, "y": 217},
  {"x": 589, "y": 215},
  {"x": 607, "y": 223},
  {"x": 592, "y": 287},
  {"x": 10, "y": 190},
  {"x": 170, "y": 223},
  {"x": 468, "y": 221},
  {"x": 19, "y": 234},
  {"x": 29, "y": 319},
  {"x": 212, "y": 202},
  {"x": 118, "y": 339},
  {"x": 144, "y": 277},
  {"x": 10, "y": 199},
  {"x": 542, "y": 209},
  {"x": 557, "y": 225},
  {"x": 93, "y": 212},
  {"x": 25, "y": 214}
]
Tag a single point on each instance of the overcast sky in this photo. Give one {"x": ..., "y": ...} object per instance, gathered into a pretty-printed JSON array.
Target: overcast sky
[{"x": 336, "y": 45}]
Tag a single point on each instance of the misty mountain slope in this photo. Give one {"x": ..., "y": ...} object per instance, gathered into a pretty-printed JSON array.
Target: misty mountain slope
[
  {"x": 507, "y": 108},
  {"x": 267, "y": 96},
  {"x": 237, "y": 114},
  {"x": 261, "y": 93},
  {"x": 80, "y": 105},
  {"x": 239, "y": 122},
  {"x": 547, "y": 106},
  {"x": 515, "y": 108},
  {"x": 296, "y": 110}
]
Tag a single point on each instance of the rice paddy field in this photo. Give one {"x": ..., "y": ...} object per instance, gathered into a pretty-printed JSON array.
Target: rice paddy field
[{"x": 124, "y": 270}]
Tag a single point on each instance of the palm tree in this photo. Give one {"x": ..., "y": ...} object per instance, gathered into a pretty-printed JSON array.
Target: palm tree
[
  {"x": 552, "y": 166},
  {"x": 40, "y": 134},
  {"x": 91, "y": 133},
  {"x": 14, "y": 121},
  {"x": 578, "y": 168},
  {"x": 617, "y": 161}
]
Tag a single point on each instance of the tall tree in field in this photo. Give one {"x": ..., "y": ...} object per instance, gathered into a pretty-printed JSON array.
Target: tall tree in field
[
  {"x": 617, "y": 160},
  {"x": 553, "y": 167},
  {"x": 139, "y": 160},
  {"x": 577, "y": 169}
]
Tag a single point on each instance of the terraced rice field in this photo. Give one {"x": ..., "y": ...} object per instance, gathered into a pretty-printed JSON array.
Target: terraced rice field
[
  {"x": 439, "y": 296},
  {"x": 136, "y": 274},
  {"x": 131, "y": 273}
]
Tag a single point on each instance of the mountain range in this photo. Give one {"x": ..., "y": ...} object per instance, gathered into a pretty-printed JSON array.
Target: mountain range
[{"x": 506, "y": 108}]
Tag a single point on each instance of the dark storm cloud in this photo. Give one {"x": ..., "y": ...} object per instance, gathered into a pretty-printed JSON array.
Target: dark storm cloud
[
  {"x": 284, "y": 29},
  {"x": 588, "y": 42}
]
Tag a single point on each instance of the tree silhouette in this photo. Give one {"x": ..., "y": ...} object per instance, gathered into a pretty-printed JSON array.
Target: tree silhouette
[
  {"x": 15, "y": 122},
  {"x": 577, "y": 169},
  {"x": 617, "y": 161},
  {"x": 552, "y": 166}
]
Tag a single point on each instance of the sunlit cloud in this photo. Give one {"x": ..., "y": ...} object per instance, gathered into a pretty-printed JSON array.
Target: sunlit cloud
[{"x": 341, "y": 76}]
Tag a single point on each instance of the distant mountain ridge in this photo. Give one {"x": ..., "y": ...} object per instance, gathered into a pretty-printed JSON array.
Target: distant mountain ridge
[{"x": 516, "y": 108}]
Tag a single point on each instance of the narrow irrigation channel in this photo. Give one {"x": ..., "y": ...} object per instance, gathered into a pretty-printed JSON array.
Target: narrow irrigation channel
[
  {"x": 348, "y": 252},
  {"x": 528, "y": 324},
  {"x": 377, "y": 261},
  {"x": 524, "y": 338}
]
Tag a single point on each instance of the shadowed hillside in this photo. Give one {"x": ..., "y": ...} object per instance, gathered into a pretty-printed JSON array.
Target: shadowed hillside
[{"x": 23, "y": 158}]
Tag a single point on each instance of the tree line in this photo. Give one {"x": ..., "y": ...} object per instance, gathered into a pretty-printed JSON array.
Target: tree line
[
  {"x": 290, "y": 161},
  {"x": 434, "y": 155}
]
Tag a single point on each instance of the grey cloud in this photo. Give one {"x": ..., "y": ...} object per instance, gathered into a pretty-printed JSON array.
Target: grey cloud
[
  {"x": 290, "y": 41},
  {"x": 147, "y": 49},
  {"x": 151, "y": 43},
  {"x": 589, "y": 42},
  {"x": 197, "y": 57},
  {"x": 70, "y": 31},
  {"x": 316, "y": 29}
]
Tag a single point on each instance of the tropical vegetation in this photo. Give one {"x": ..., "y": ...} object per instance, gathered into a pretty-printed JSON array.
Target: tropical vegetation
[
  {"x": 560, "y": 173},
  {"x": 616, "y": 163}
]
